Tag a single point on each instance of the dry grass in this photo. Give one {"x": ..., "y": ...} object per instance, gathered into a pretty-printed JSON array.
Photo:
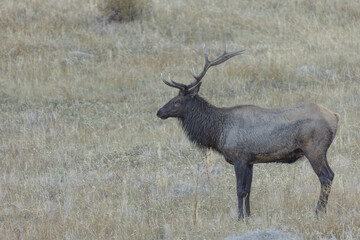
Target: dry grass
[{"x": 83, "y": 155}]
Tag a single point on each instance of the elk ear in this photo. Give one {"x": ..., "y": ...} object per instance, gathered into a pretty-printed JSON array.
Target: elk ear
[{"x": 194, "y": 91}]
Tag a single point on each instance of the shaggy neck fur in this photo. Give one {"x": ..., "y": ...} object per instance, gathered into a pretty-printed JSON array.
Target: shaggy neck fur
[{"x": 203, "y": 123}]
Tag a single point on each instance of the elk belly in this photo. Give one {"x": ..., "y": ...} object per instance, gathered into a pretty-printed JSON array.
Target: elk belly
[{"x": 280, "y": 157}]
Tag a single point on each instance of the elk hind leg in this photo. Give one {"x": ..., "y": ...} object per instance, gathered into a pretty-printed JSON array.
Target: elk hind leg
[{"x": 325, "y": 174}]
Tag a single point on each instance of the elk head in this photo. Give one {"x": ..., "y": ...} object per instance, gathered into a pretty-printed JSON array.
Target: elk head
[{"x": 179, "y": 105}]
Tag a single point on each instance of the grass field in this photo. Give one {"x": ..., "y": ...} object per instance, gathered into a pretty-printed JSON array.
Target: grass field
[{"x": 83, "y": 155}]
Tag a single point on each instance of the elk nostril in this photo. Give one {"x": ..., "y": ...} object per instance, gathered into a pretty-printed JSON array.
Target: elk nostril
[{"x": 158, "y": 113}]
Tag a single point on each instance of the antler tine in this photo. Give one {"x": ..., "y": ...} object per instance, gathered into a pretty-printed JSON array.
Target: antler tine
[
  {"x": 225, "y": 56},
  {"x": 183, "y": 86},
  {"x": 207, "y": 63},
  {"x": 205, "y": 53},
  {"x": 173, "y": 83}
]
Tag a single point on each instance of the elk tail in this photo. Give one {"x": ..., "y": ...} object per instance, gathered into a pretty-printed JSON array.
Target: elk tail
[{"x": 337, "y": 116}]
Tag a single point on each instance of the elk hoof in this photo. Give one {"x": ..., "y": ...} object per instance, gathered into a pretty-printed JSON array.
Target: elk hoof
[{"x": 320, "y": 212}]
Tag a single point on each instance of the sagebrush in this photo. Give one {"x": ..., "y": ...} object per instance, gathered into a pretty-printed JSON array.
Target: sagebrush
[{"x": 124, "y": 10}]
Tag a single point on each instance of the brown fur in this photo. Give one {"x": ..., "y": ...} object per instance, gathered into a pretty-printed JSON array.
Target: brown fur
[{"x": 246, "y": 135}]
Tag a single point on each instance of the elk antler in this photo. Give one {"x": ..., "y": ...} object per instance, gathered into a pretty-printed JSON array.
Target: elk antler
[
  {"x": 173, "y": 83},
  {"x": 225, "y": 56}
]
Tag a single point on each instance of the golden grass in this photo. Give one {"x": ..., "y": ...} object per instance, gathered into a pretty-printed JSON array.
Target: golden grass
[{"x": 83, "y": 155}]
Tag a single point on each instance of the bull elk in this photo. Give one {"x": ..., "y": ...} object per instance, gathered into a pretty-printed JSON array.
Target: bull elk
[{"x": 246, "y": 135}]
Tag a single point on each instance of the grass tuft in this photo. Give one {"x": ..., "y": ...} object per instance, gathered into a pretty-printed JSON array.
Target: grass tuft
[{"x": 124, "y": 10}]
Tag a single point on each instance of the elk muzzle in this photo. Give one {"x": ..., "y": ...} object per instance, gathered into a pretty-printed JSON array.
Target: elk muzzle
[{"x": 162, "y": 114}]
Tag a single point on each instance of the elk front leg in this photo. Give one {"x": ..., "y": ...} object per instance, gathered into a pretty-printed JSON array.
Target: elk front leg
[
  {"x": 249, "y": 174},
  {"x": 241, "y": 174}
]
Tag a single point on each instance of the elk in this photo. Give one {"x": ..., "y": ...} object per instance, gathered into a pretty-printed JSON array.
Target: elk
[{"x": 246, "y": 134}]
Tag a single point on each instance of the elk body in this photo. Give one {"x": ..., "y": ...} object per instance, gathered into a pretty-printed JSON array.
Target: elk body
[{"x": 246, "y": 135}]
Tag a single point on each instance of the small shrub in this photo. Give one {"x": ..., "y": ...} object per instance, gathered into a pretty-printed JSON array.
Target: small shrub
[{"x": 123, "y": 10}]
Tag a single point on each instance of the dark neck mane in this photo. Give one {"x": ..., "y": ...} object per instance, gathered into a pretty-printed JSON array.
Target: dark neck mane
[{"x": 203, "y": 123}]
